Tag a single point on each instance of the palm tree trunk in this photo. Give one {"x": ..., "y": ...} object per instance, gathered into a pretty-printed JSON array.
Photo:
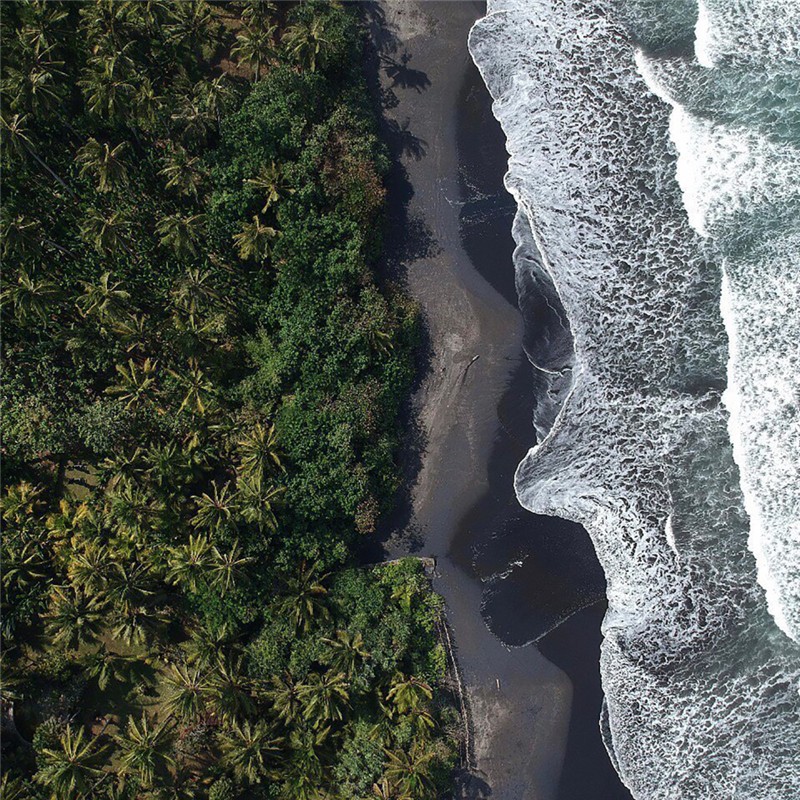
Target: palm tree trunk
[{"x": 42, "y": 164}]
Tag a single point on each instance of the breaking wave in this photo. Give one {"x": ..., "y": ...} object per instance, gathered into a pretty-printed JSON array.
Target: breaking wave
[{"x": 655, "y": 159}]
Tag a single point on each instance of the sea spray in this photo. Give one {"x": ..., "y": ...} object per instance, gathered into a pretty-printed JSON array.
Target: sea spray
[{"x": 702, "y": 686}]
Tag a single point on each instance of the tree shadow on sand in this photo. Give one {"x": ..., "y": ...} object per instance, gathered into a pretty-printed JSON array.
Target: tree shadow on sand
[
  {"x": 402, "y": 75},
  {"x": 407, "y": 238}
]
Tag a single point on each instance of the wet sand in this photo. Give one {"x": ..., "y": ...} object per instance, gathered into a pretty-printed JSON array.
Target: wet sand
[{"x": 448, "y": 241}]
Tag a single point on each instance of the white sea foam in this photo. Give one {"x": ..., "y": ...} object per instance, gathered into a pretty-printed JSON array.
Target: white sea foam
[{"x": 701, "y": 686}]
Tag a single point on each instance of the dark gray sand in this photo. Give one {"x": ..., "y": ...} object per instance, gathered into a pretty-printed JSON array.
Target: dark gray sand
[{"x": 449, "y": 241}]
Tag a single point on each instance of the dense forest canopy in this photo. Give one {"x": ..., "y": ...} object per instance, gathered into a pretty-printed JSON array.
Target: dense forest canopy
[{"x": 202, "y": 380}]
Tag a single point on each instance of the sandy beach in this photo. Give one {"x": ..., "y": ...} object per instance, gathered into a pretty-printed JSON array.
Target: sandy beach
[{"x": 519, "y": 703}]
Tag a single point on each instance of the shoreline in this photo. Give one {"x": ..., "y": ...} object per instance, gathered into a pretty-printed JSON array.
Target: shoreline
[{"x": 519, "y": 702}]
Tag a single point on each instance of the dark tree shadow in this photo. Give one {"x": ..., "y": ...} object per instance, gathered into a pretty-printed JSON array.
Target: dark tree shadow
[
  {"x": 402, "y": 75},
  {"x": 402, "y": 141},
  {"x": 406, "y": 239}
]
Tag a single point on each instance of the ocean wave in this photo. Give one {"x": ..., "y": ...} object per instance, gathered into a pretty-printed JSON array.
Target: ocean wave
[{"x": 626, "y": 230}]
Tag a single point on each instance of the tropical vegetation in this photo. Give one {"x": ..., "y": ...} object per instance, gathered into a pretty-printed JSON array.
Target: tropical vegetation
[{"x": 202, "y": 375}]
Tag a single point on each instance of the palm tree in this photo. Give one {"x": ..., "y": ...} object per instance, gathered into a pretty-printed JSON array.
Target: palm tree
[
  {"x": 193, "y": 291},
  {"x": 325, "y": 698},
  {"x": 137, "y": 626},
  {"x": 20, "y": 501},
  {"x": 305, "y": 772},
  {"x": 182, "y": 171},
  {"x": 122, "y": 469},
  {"x": 129, "y": 586},
  {"x": 247, "y": 750},
  {"x": 203, "y": 649},
  {"x": 409, "y": 772},
  {"x": 189, "y": 692},
  {"x": 256, "y": 502},
  {"x": 105, "y": 233},
  {"x": 257, "y": 13},
  {"x": 24, "y": 565},
  {"x": 254, "y": 241},
  {"x": 145, "y": 750},
  {"x": 68, "y": 769},
  {"x": 14, "y": 138},
  {"x": 347, "y": 650},
  {"x": 271, "y": 182},
  {"x": 132, "y": 330},
  {"x": 147, "y": 103},
  {"x": 106, "y": 667},
  {"x": 284, "y": 693},
  {"x": 131, "y": 512},
  {"x": 306, "y": 44},
  {"x": 21, "y": 236},
  {"x": 168, "y": 466},
  {"x": 104, "y": 162},
  {"x": 31, "y": 298},
  {"x": 230, "y": 689},
  {"x": 255, "y": 46},
  {"x": 75, "y": 618},
  {"x": 180, "y": 233},
  {"x": 408, "y": 693},
  {"x": 215, "y": 510},
  {"x": 33, "y": 81},
  {"x": 199, "y": 390},
  {"x": 189, "y": 563},
  {"x": 259, "y": 453},
  {"x": 15, "y": 788},
  {"x": 136, "y": 385},
  {"x": 195, "y": 121},
  {"x": 213, "y": 95},
  {"x": 191, "y": 24},
  {"x": 304, "y": 600},
  {"x": 88, "y": 567},
  {"x": 107, "y": 90},
  {"x": 105, "y": 298},
  {"x": 228, "y": 568}
]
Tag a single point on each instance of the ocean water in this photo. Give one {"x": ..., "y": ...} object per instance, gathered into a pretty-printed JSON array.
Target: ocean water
[{"x": 655, "y": 159}]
